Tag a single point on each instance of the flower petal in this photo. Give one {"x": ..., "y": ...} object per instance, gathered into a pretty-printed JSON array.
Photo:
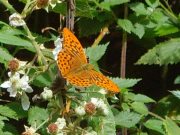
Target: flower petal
[
  {"x": 12, "y": 92},
  {"x": 6, "y": 84},
  {"x": 25, "y": 101},
  {"x": 28, "y": 89}
]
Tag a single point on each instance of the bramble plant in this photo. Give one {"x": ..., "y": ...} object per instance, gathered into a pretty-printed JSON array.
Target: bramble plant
[{"x": 35, "y": 99}]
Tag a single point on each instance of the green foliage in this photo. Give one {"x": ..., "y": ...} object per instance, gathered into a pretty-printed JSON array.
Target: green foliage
[
  {"x": 125, "y": 83},
  {"x": 165, "y": 53},
  {"x": 107, "y": 124},
  {"x": 176, "y": 93},
  {"x": 177, "y": 80},
  {"x": 107, "y": 4},
  {"x": 36, "y": 116},
  {"x": 127, "y": 119},
  {"x": 148, "y": 20},
  {"x": 140, "y": 108},
  {"x": 6, "y": 56},
  {"x": 8, "y": 112},
  {"x": 171, "y": 127},
  {"x": 125, "y": 24},
  {"x": 156, "y": 125}
]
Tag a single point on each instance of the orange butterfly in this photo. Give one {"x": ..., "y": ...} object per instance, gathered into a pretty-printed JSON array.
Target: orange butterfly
[{"x": 74, "y": 67}]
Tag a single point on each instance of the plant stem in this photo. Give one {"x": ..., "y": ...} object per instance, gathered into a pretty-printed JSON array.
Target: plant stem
[
  {"x": 8, "y": 6},
  {"x": 124, "y": 47},
  {"x": 156, "y": 116},
  {"x": 123, "y": 55},
  {"x": 171, "y": 15},
  {"x": 100, "y": 36}
]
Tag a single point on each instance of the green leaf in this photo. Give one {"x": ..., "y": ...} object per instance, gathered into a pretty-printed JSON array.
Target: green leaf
[
  {"x": 5, "y": 55},
  {"x": 17, "y": 107},
  {"x": 153, "y": 3},
  {"x": 139, "y": 8},
  {"x": 165, "y": 53},
  {"x": 8, "y": 112},
  {"x": 95, "y": 53},
  {"x": 138, "y": 30},
  {"x": 83, "y": 9},
  {"x": 176, "y": 93},
  {"x": 142, "y": 133},
  {"x": 107, "y": 124},
  {"x": 125, "y": 83},
  {"x": 16, "y": 41},
  {"x": 2, "y": 118},
  {"x": 36, "y": 116},
  {"x": 166, "y": 29},
  {"x": 10, "y": 129},
  {"x": 177, "y": 80},
  {"x": 127, "y": 119},
  {"x": 106, "y": 4},
  {"x": 42, "y": 80},
  {"x": 171, "y": 127},
  {"x": 142, "y": 98},
  {"x": 94, "y": 26},
  {"x": 125, "y": 25},
  {"x": 156, "y": 125},
  {"x": 139, "y": 107}
]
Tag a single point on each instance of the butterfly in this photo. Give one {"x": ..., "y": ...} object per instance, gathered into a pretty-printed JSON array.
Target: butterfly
[{"x": 75, "y": 68}]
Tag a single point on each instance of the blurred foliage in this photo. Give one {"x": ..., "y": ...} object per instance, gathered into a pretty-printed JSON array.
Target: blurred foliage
[{"x": 150, "y": 19}]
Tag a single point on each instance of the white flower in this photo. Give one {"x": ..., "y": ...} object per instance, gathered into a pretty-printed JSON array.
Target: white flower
[
  {"x": 29, "y": 131},
  {"x": 80, "y": 110},
  {"x": 16, "y": 20},
  {"x": 97, "y": 102},
  {"x": 58, "y": 48},
  {"x": 61, "y": 123},
  {"x": 47, "y": 94},
  {"x": 103, "y": 91},
  {"x": 100, "y": 105},
  {"x": 16, "y": 85}
]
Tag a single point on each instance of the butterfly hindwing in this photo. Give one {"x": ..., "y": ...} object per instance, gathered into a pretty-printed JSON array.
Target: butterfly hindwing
[{"x": 102, "y": 81}]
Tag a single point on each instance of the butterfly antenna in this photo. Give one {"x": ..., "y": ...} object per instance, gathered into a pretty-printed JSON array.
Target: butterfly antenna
[{"x": 105, "y": 71}]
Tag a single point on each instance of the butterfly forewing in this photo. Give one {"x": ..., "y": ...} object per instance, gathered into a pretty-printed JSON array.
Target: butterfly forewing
[{"x": 72, "y": 44}]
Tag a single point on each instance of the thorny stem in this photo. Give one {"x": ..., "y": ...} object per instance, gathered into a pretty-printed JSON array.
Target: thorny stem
[
  {"x": 42, "y": 124},
  {"x": 32, "y": 39},
  {"x": 169, "y": 12},
  {"x": 123, "y": 55},
  {"x": 101, "y": 35},
  {"x": 156, "y": 116},
  {"x": 8, "y": 6}
]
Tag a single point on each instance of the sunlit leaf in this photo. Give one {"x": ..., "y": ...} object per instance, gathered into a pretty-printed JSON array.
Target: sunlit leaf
[
  {"x": 156, "y": 125},
  {"x": 127, "y": 119},
  {"x": 165, "y": 53}
]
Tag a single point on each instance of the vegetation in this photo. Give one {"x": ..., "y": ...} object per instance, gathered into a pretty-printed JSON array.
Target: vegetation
[{"x": 35, "y": 99}]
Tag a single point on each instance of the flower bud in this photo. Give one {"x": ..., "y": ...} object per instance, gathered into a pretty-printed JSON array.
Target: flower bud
[
  {"x": 52, "y": 128},
  {"x": 13, "y": 65},
  {"x": 42, "y": 3},
  {"x": 80, "y": 110},
  {"x": 90, "y": 108}
]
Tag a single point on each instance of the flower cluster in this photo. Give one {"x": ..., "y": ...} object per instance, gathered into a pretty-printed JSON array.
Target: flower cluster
[
  {"x": 96, "y": 105},
  {"x": 57, "y": 127},
  {"x": 18, "y": 86}
]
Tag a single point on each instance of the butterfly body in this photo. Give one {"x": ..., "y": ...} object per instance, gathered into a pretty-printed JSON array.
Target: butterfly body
[{"x": 74, "y": 67}]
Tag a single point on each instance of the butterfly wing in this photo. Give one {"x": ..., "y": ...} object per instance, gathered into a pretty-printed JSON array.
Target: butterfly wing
[
  {"x": 102, "y": 81},
  {"x": 80, "y": 79},
  {"x": 73, "y": 46},
  {"x": 72, "y": 56}
]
